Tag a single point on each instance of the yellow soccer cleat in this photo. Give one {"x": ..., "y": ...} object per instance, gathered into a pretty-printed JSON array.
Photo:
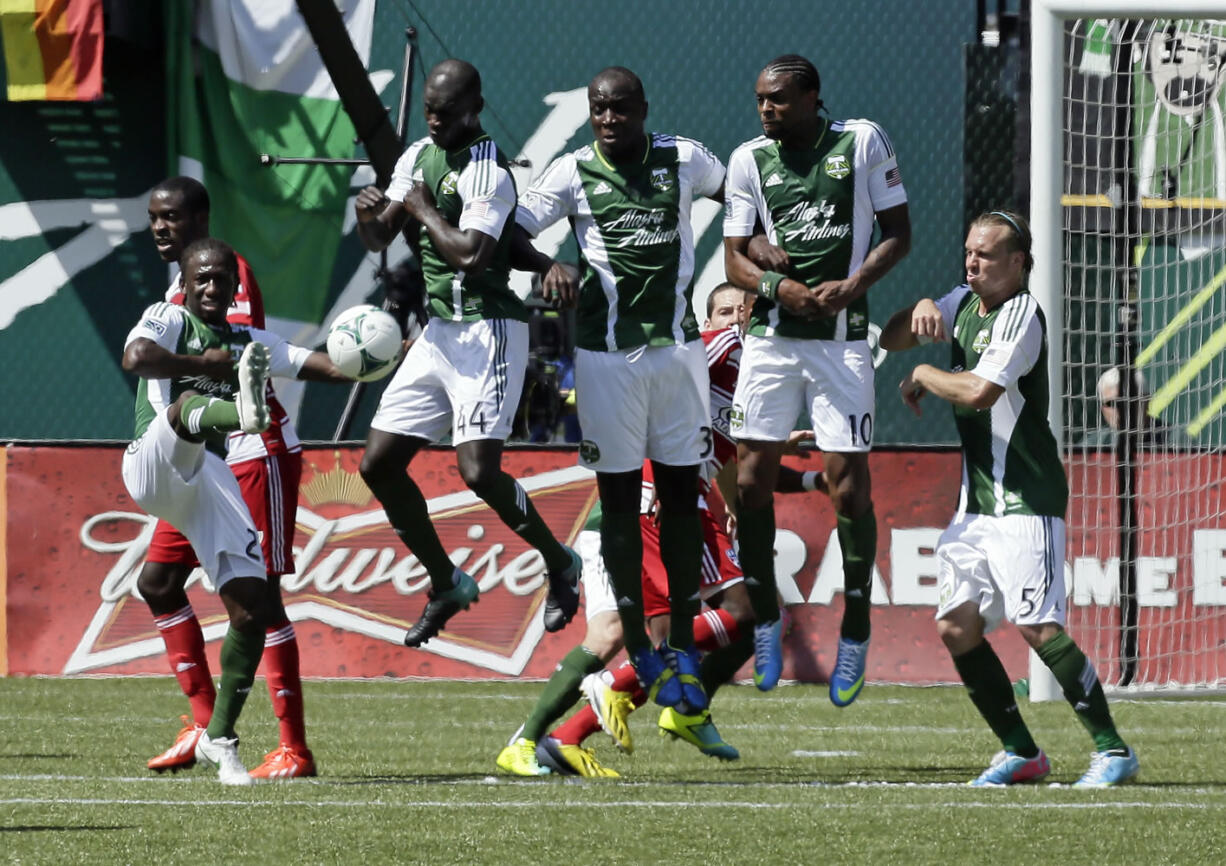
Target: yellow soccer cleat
[
  {"x": 519, "y": 759},
  {"x": 568, "y": 760},
  {"x": 698, "y": 731},
  {"x": 612, "y": 708}
]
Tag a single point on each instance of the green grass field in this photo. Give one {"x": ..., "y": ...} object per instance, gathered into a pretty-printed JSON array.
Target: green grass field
[{"x": 408, "y": 776}]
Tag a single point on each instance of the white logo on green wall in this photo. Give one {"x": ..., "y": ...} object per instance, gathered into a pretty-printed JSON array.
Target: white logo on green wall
[{"x": 837, "y": 166}]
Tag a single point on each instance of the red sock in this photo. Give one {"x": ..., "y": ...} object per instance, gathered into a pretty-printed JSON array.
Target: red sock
[
  {"x": 185, "y": 650},
  {"x": 626, "y": 680},
  {"x": 714, "y": 629},
  {"x": 285, "y": 684}
]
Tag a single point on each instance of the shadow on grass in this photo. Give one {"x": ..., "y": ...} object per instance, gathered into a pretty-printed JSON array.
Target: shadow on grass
[{"x": 57, "y": 828}]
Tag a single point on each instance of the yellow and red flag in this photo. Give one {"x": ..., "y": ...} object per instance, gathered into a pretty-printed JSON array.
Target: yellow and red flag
[{"x": 52, "y": 49}]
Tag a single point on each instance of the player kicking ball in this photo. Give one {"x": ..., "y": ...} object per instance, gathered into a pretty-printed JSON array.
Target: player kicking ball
[
  {"x": 191, "y": 395},
  {"x": 1002, "y": 556}
]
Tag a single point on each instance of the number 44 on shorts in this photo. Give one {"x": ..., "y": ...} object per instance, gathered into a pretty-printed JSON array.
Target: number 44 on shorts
[{"x": 471, "y": 416}]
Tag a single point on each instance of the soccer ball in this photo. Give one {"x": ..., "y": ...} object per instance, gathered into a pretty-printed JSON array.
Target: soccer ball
[{"x": 364, "y": 343}]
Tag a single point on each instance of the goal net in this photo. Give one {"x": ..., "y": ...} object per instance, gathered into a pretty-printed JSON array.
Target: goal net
[{"x": 1142, "y": 258}]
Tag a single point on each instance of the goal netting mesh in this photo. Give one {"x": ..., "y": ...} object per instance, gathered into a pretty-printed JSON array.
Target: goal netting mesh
[{"x": 1144, "y": 329}]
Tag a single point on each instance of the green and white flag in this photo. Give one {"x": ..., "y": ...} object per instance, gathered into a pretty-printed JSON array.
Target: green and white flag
[{"x": 245, "y": 78}]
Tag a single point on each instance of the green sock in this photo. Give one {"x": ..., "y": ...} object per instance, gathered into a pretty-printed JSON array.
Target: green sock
[
  {"x": 858, "y": 541},
  {"x": 720, "y": 665},
  {"x": 992, "y": 694},
  {"x": 755, "y": 530},
  {"x": 1082, "y": 690},
  {"x": 561, "y": 691},
  {"x": 202, "y": 415},
  {"x": 681, "y": 544},
  {"x": 621, "y": 547},
  {"x": 410, "y": 519},
  {"x": 514, "y": 507},
  {"x": 240, "y": 656}
]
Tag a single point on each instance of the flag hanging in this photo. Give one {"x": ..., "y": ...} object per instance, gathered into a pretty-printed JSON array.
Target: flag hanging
[
  {"x": 245, "y": 78},
  {"x": 52, "y": 49}
]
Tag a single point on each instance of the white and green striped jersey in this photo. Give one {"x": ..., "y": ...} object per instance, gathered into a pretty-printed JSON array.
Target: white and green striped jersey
[
  {"x": 633, "y": 227},
  {"x": 473, "y": 189},
  {"x": 177, "y": 330},
  {"x": 818, "y": 204},
  {"x": 1010, "y": 462}
]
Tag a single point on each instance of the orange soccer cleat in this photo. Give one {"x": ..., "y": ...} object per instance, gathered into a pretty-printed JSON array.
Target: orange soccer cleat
[
  {"x": 285, "y": 762},
  {"x": 182, "y": 755}
]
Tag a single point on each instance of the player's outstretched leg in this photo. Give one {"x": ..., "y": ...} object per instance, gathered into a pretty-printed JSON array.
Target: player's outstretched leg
[
  {"x": 292, "y": 758},
  {"x": 441, "y": 607}
]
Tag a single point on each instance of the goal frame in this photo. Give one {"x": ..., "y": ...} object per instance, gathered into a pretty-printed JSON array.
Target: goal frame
[{"x": 1047, "y": 18}]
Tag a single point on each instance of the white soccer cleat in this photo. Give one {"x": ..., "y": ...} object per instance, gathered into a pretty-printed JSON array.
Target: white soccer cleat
[
  {"x": 222, "y": 753},
  {"x": 253, "y": 415}
]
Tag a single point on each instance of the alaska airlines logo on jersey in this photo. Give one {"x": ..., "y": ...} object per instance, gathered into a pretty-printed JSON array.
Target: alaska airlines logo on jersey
[
  {"x": 661, "y": 179},
  {"x": 646, "y": 228},
  {"x": 809, "y": 228},
  {"x": 982, "y": 339},
  {"x": 448, "y": 186},
  {"x": 837, "y": 166}
]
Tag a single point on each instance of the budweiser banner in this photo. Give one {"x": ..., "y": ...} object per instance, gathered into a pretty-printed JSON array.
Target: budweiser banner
[{"x": 73, "y": 543}]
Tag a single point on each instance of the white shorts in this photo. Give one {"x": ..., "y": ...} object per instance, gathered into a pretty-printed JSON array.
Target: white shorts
[
  {"x": 597, "y": 590},
  {"x": 196, "y": 493},
  {"x": 649, "y": 403},
  {"x": 781, "y": 378},
  {"x": 464, "y": 375},
  {"x": 1011, "y": 566}
]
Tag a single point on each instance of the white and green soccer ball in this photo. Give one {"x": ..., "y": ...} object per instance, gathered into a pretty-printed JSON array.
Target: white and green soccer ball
[{"x": 364, "y": 343}]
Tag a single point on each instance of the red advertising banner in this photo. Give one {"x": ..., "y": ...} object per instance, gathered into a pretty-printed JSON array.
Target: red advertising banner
[{"x": 75, "y": 544}]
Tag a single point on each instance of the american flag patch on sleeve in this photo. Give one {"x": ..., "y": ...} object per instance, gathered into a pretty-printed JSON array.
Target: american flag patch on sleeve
[{"x": 893, "y": 177}]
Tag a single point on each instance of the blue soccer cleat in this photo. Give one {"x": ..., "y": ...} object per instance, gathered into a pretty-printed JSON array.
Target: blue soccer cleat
[
  {"x": 848, "y": 677},
  {"x": 1010, "y": 769},
  {"x": 656, "y": 677},
  {"x": 685, "y": 663},
  {"x": 1108, "y": 769},
  {"x": 767, "y": 654}
]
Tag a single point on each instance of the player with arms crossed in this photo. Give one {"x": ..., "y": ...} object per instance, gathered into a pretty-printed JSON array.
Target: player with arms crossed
[
  {"x": 455, "y": 197},
  {"x": 268, "y": 466},
  {"x": 816, "y": 186},
  {"x": 640, "y": 370},
  {"x": 184, "y": 356},
  {"x": 1002, "y": 556}
]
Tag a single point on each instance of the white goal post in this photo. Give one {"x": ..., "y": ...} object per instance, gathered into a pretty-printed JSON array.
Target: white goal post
[{"x": 1144, "y": 506}]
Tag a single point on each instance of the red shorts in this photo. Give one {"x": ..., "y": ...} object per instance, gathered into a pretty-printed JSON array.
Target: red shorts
[
  {"x": 719, "y": 563},
  {"x": 270, "y": 489}
]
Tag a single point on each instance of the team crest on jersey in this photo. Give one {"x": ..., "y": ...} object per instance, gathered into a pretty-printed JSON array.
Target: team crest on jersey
[
  {"x": 855, "y": 319},
  {"x": 447, "y": 187},
  {"x": 982, "y": 339},
  {"x": 736, "y": 418},
  {"x": 589, "y": 452},
  {"x": 837, "y": 166},
  {"x": 661, "y": 179}
]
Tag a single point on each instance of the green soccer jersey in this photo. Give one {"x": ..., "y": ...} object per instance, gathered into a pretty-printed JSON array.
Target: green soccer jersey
[
  {"x": 819, "y": 205},
  {"x": 177, "y": 330},
  {"x": 1010, "y": 462},
  {"x": 472, "y": 188},
  {"x": 632, "y": 224}
]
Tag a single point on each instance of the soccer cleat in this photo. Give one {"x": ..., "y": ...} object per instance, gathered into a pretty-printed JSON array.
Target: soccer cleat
[
  {"x": 767, "y": 654},
  {"x": 656, "y": 677},
  {"x": 286, "y": 762},
  {"x": 1110, "y": 768},
  {"x": 181, "y": 755},
  {"x": 612, "y": 709},
  {"x": 563, "y": 598},
  {"x": 441, "y": 607},
  {"x": 519, "y": 759},
  {"x": 684, "y": 663},
  {"x": 568, "y": 760},
  {"x": 253, "y": 415},
  {"x": 848, "y": 677},
  {"x": 1010, "y": 769},
  {"x": 697, "y": 730},
  {"x": 222, "y": 753}
]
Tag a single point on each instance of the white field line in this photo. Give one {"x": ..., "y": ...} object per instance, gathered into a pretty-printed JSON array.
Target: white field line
[{"x": 572, "y": 804}]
